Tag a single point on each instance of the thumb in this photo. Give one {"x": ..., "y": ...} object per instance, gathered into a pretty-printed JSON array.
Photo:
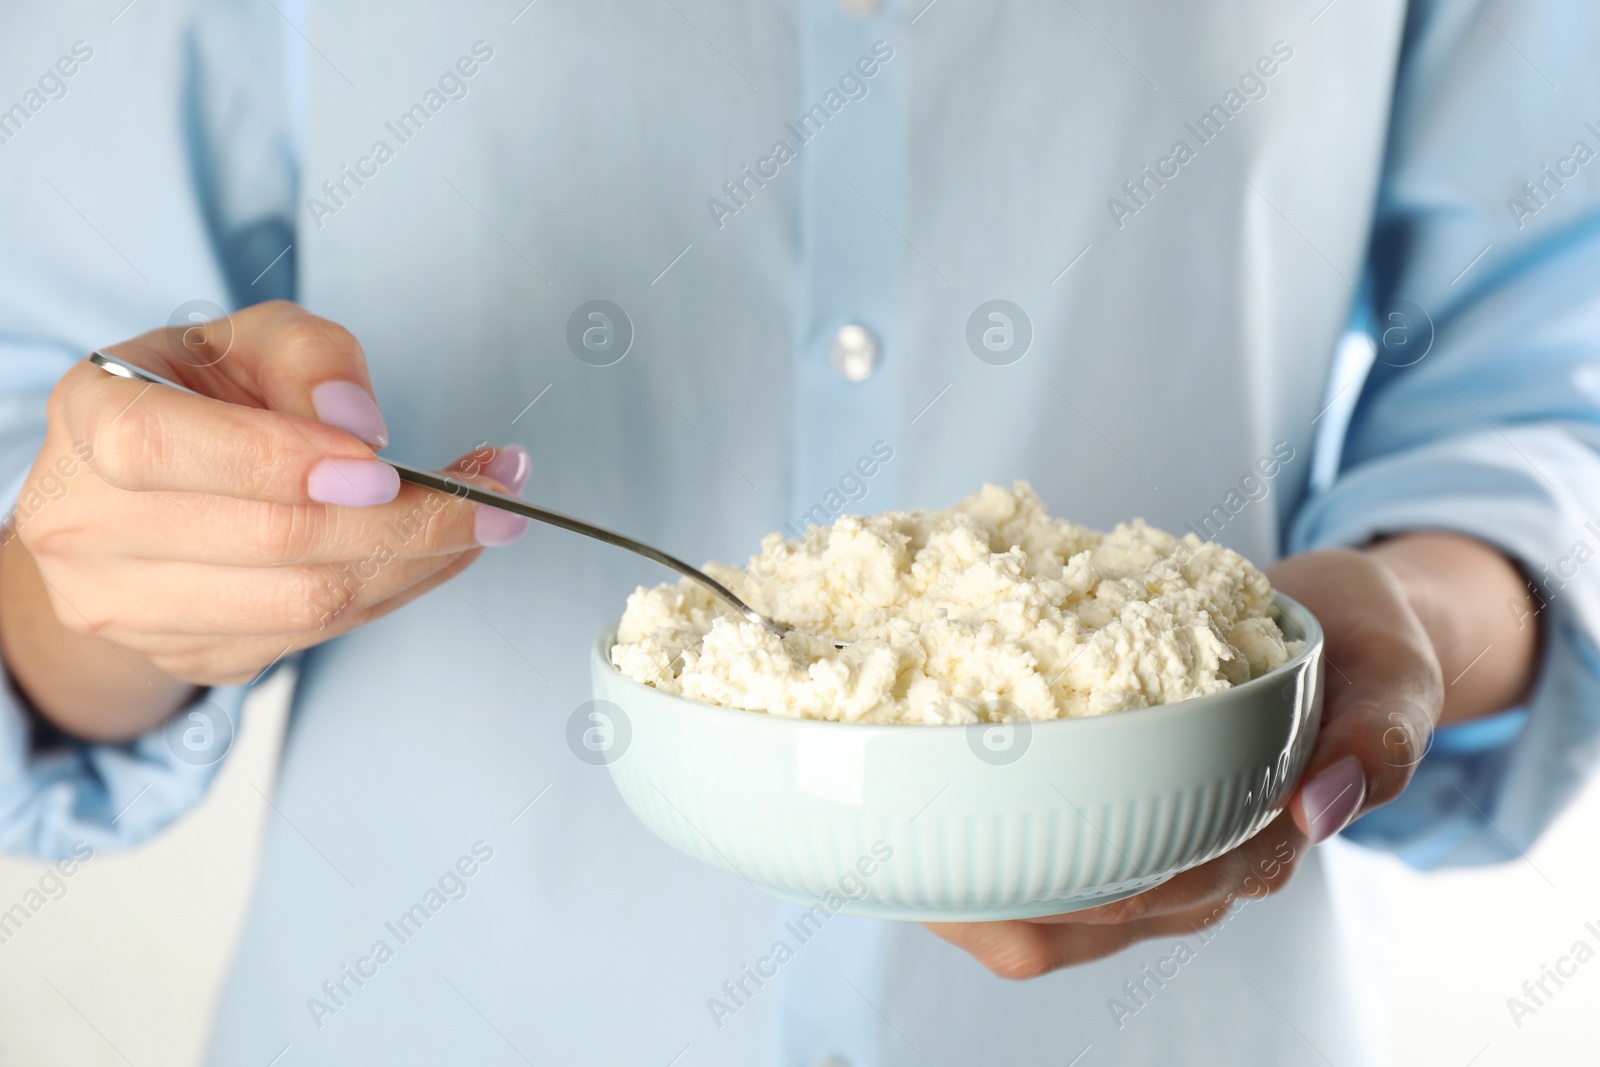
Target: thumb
[{"x": 1383, "y": 689}]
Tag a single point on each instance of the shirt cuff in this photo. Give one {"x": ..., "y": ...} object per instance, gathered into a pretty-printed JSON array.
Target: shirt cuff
[
  {"x": 58, "y": 793},
  {"x": 1486, "y": 789},
  {"x": 109, "y": 796}
]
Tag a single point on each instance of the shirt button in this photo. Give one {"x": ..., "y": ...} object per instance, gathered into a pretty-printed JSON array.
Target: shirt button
[
  {"x": 861, "y": 9},
  {"x": 854, "y": 353}
]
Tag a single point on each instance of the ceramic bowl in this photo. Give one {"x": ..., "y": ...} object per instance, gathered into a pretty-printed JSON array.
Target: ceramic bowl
[{"x": 951, "y": 823}]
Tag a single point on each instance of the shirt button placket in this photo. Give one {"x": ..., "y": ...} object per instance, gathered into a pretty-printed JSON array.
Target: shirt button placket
[{"x": 849, "y": 141}]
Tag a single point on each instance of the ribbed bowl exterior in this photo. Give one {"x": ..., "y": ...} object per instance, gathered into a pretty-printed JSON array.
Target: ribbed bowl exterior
[{"x": 933, "y": 823}]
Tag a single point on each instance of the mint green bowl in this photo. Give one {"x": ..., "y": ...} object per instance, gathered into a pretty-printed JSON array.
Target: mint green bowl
[{"x": 954, "y": 823}]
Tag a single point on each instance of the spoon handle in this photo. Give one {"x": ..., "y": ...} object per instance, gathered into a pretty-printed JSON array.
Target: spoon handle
[{"x": 456, "y": 487}]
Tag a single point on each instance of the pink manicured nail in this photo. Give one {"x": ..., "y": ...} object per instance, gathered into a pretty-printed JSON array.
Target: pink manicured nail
[
  {"x": 1333, "y": 797},
  {"x": 355, "y": 483},
  {"x": 347, "y": 406},
  {"x": 495, "y": 527},
  {"x": 510, "y": 467}
]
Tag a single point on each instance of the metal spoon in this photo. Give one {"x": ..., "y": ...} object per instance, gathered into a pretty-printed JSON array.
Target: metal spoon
[{"x": 446, "y": 484}]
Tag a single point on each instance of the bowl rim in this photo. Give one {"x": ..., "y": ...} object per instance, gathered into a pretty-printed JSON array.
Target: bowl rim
[{"x": 1302, "y": 617}]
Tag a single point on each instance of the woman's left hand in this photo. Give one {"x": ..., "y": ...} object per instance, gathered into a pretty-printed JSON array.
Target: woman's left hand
[{"x": 1384, "y": 693}]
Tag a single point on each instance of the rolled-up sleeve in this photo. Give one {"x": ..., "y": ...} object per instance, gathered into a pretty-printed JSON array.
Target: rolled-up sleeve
[
  {"x": 55, "y": 790},
  {"x": 1481, "y": 414},
  {"x": 202, "y": 212}
]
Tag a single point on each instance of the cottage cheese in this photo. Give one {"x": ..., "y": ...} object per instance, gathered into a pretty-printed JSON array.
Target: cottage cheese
[{"x": 990, "y": 610}]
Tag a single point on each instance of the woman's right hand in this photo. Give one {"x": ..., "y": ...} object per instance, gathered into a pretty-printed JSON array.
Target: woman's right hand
[{"x": 164, "y": 541}]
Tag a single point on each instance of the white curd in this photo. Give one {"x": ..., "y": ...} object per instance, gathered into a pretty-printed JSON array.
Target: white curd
[{"x": 990, "y": 610}]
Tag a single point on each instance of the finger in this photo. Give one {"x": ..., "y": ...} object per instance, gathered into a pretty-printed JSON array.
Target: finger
[
  {"x": 1257, "y": 868},
  {"x": 419, "y": 522},
  {"x": 201, "y": 659},
  {"x": 454, "y": 567},
  {"x": 148, "y": 438},
  {"x": 233, "y": 600},
  {"x": 1193, "y": 899},
  {"x": 1026, "y": 948},
  {"x": 1019, "y": 950},
  {"x": 1190, "y": 902},
  {"x": 507, "y": 470},
  {"x": 1382, "y": 694},
  {"x": 229, "y": 602},
  {"x": 274, "y": 355}
]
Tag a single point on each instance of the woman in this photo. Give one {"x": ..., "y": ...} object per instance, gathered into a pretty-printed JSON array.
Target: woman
[{"x": 797, "y": 227}]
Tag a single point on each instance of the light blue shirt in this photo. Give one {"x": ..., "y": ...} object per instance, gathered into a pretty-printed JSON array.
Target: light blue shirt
[{"x": 1492, "y": 431}]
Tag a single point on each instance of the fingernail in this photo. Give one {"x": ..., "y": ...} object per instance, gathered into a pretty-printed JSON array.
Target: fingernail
[
  {"x": 355, "y": 483},
  {"x": 1333, "y": 797},
  {"x": 510, "y": 467},
  {"x": 347, "y": 406},
  {"x": 495, "y": 527}
]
